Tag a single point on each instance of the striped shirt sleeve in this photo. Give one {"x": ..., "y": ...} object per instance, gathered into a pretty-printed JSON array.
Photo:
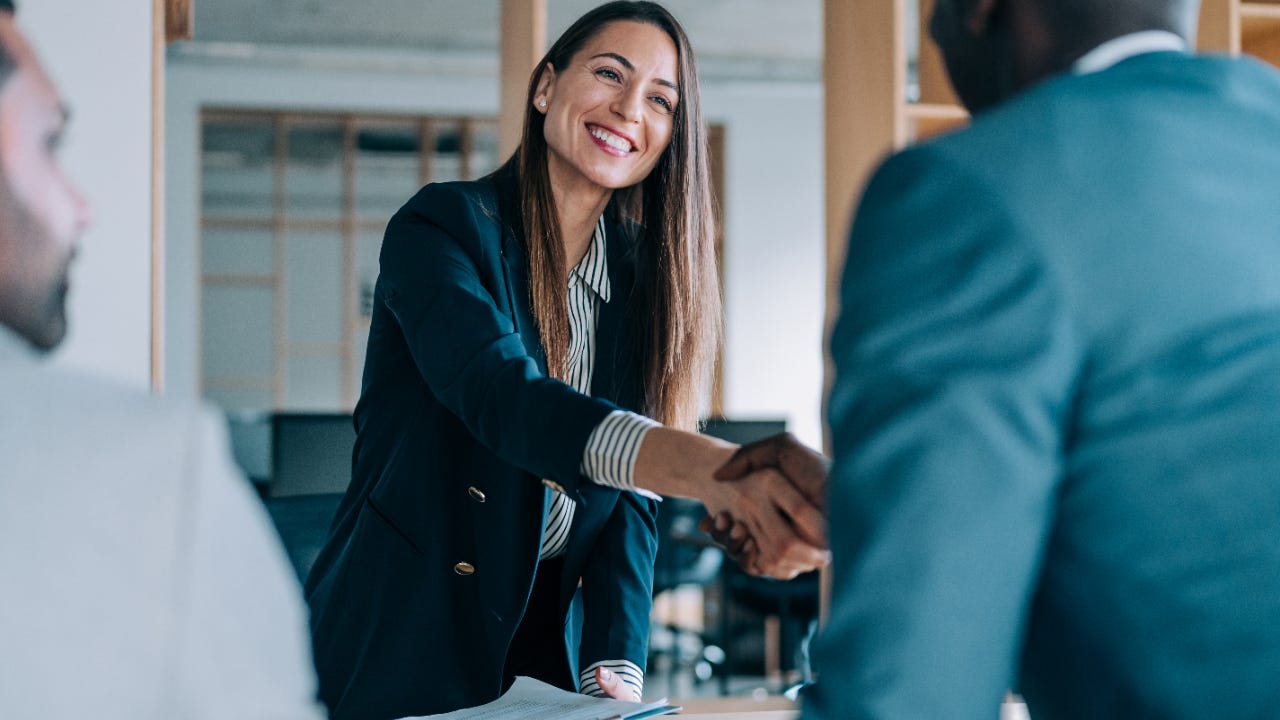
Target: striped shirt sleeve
[
  {"x": 625, "y": 670},
  {"x": 610, "y": 456}
]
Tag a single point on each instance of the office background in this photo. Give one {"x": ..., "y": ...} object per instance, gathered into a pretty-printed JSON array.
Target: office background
[
  {"x": 762, "y": 85},
  {"x": 763, "y": 68},
  {"x": 142, "y": 109}
]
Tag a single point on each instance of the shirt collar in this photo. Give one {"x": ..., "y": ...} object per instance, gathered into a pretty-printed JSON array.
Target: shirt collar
[
  {"x": 1126, "y": 46},
  {"x": 593, "y": 269}
]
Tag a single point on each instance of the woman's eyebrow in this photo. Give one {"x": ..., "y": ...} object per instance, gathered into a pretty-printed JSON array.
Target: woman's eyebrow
[{"x": 627, "y": 64}]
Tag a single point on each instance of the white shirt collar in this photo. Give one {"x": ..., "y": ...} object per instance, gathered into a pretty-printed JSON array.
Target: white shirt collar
[
  {"x": 593, "y": 269},
  {"x": 1126, "y": 46}
]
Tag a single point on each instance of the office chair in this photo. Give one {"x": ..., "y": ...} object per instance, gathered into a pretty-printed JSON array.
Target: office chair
[
  {"x": 311, "y": 453},
  {"x": 744, "y": 592},
  {"x": 790, "y": 608},
  {"x": 686, "y": 556},
  {"x": 303, "y": 523},
  {"x": 293, "y": 453}
]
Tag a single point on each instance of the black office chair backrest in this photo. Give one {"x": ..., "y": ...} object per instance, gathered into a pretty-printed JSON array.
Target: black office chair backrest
[
  {"x": 311, "y": 453},
  {"x": 743, "y": 431},
  {"x": 303, "y": 523},
  {"x": 685, "y": 554}
]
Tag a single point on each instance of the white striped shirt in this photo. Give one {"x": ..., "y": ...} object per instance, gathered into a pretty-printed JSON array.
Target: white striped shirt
[{"x": 610, "y": 456}]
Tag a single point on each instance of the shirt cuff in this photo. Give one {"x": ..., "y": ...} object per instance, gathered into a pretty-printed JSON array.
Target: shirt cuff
[
  {"x": 610, "y": 456},
  {"x": 625, "y": 670}
]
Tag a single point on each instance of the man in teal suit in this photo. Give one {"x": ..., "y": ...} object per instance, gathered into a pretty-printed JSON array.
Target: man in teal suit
[{"x": 1056, "y": 419}]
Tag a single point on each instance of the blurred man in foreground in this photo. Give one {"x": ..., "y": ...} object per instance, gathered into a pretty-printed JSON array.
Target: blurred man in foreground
[{"x": 139, "y": 577}]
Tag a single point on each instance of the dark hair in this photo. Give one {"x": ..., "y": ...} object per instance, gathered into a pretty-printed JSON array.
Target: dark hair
[
  {"x": 7, "y": 63},
  {"x": 676, "y": 308},
  {"x": 1094, "y": 21}
]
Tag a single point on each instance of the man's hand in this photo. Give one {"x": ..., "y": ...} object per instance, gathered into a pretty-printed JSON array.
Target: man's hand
[
  {"x": 805, "y": 467},
  {"x": 785, "y": 534},
  {"x": 787, "y": 529},
  {"x": 731, "y": 537}
]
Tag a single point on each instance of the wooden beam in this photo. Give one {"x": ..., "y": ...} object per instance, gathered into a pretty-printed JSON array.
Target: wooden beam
[
  {"x": 1260, "y": 31},
  {"x": 158, "y": 34},
  {"x": 280, "y": 312},
  {"x": 1219, "y": 27},
  {"x": 523, "y": 41},
  {"x": 179, "y": 19},
  {"x": 864, "y": 71},
  {"x": 931, "y": 71}
]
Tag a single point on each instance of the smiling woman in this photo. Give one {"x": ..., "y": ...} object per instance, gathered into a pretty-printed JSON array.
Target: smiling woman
[
  {"x": 540, "y": 342},
  {"x": 609, "y": 118}
]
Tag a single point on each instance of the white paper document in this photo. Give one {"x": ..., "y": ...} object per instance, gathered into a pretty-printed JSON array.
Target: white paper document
[{"x": 530, "y": 699}]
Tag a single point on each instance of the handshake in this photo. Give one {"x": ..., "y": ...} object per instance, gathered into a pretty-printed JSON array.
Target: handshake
[
  {"x": 770, "y": 515},
  {"x": 765, "y": 501}
]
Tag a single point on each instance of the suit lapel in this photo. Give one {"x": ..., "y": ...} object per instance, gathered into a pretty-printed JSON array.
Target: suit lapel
[
  {"x": 515, "y": 261},
  {"x": 517, "y": 276}
]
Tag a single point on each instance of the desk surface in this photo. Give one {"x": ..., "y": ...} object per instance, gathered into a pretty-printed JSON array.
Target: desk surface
[
  {"x": 749, "y": 715},
  {"x": 773, "y": 707}
]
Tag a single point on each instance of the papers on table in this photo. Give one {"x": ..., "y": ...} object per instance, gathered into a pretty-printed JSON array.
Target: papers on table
[{"x": 531, "y": 699}]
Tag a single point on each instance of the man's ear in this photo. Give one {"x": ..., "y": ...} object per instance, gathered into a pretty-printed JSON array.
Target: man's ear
[
  {"x": 978, "y": 19},
  {"x": 546, "y": 88}
]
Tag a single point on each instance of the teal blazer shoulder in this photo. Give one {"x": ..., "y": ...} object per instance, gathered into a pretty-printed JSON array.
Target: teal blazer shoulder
[
  {"x": 1056, "y": 417},
  {"x": 456, "y": 426}
]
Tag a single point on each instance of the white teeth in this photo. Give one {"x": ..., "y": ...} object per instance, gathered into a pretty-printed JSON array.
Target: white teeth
[{"x": 611, "y": 140}]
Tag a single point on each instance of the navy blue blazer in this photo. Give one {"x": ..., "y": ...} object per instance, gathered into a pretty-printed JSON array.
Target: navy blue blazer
[{"x": 430, "y": 563}]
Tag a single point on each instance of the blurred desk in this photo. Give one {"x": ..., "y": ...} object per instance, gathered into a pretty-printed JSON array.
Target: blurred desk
[
  {"x": 773, "y": 707},
  {"x": 749, "y": 715}
]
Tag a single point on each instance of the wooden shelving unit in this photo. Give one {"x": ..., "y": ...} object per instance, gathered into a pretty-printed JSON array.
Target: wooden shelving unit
[{"x": 293, "y": 206}]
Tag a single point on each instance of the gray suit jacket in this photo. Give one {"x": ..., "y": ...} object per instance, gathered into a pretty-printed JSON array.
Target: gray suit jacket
[
  {"x": 1056, "y": 417},
  {"x": 139, "y": 577}
]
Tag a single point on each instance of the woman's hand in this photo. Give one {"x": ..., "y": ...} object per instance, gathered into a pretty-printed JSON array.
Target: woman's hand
[
  {"x": 729, "y": 536},
  {"x": 806, "y": 468},
  {"x": 776, "y": 531},
  {"x": 613, "y": 686}
]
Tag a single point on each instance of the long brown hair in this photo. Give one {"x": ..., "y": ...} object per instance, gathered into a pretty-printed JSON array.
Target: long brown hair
[{"x": 677, "y": 289}]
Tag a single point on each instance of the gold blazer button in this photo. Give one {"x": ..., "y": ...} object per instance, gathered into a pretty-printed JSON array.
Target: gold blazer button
[
  {"x": 464, "y": 568},
  {"x": 475, "y": 494}
]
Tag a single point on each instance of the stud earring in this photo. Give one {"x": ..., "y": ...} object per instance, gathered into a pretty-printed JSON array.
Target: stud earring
[{"x": 542, "y": 103}]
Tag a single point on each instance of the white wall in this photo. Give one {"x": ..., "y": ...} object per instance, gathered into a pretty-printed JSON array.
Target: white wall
[
  {"x": 774, "y": 203},
  {"x": 774, "y": 251},
  {"x": 99, "y": 55}
]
